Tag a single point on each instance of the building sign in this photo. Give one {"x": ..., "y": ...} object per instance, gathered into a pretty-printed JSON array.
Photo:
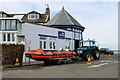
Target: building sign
[{"x": 61, "y": 35}]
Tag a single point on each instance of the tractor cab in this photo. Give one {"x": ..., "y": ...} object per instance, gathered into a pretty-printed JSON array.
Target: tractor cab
[
  {"x": 88, "y": 44},
  {"x": 88, "y": 48}
]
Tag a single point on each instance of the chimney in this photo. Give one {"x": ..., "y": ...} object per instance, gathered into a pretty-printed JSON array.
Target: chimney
[
  {"x": 46, "y": 6},
  {"x": 47, "y": 12}
]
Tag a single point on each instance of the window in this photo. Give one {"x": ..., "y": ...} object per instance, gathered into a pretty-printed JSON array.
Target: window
[
  {"x": 42, "y": 38},
  {"x": 67, "y": 44},
  {"x": 8, "y": 25},
  {"x": 19, "y": 26},
  {"x": 8, "y": 36},
  {"x": 4, "y": 37},
  {"x": 42, "y": 42},
  {"x": 76, "y": 30},
  {"x": 69, "y": 29},
  {"x": 33, "y": 16},
  {"x": 3, "y": 25},
  {"x": 44, "y": 45},
  {"x": 13, "y": 36},
  {"x": 13, "y": 25},
  {"x": 52, "y": 43},
  {"x": 4, "y": 15}
]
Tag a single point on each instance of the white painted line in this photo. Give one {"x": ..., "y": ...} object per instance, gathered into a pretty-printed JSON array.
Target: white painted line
[
  {"x": 97, "y": 65},
  {"x": 103, "y": 64},
  {"x": 104, "y": 61},
  {"x": 94, "y": 66},
  {"x": 109, "y": 61}
]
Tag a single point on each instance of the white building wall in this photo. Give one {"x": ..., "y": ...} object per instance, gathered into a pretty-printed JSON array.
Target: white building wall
[{"x": 31, "y": 32}]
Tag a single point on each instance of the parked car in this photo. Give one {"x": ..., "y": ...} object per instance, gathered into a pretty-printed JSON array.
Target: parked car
[{"x": 106, "y": 51}]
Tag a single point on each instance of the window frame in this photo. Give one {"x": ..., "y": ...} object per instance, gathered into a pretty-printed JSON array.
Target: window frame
[
  {"x": 52, "y": 43},
  {"x": 33, "y": 16},
  {"x": 13, "y": 37},
  {"x": 43, "y": 42},
  {"x": 8, "y": 37},
  {"x": 68, "y": 44},
  {"x": 40, "y": 44},
  {"x": 4, "y": 37}
]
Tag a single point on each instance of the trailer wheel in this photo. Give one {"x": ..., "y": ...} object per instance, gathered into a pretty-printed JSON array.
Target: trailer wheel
[
  {"x": 58, "y": 61},
  {"x": 65, "y": 61},
  {"x": 96, "y": 54},
  {"x": 86, "y": 55},
  {"x": 47, "y": 62},
  {"x": 74, "y": 59}
]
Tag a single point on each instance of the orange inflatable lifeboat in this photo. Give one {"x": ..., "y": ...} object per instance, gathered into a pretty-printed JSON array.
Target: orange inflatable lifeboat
[{"x": 41, "y": 55}]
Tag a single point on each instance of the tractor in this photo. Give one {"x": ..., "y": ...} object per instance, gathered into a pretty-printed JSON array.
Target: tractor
[{"x": 88, "y": 48}]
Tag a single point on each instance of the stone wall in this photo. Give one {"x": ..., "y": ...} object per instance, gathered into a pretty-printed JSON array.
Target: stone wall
[{"x": 10, "y": 52}]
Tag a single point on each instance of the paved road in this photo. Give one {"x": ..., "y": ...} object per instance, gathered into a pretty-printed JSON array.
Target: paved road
[{"x": 103, "y": 68}]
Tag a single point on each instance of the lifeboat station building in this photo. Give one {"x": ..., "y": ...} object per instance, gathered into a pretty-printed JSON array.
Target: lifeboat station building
[
  {"x": 62, "y": 32},
  {"x": 37, "y": 30}
]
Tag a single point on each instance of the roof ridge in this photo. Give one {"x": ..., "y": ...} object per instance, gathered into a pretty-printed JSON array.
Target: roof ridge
[
  {"x": 68, "y": 17},
  {"x": 63, "y": 18}
]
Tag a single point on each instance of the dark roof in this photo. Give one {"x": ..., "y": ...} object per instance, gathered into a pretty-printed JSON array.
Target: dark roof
[
  {"x": 43, "y": 17},
  {"x": 2, "y": 12},
  {"x": 63, "y": 18},
  {"x": 34, "y": 12}
]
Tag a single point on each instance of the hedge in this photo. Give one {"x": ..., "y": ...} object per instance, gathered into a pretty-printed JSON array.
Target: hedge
[{"x": 10, "y": 52}]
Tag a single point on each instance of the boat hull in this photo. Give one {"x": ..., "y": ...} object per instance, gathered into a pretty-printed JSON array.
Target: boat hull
[{"x": 40, "y": 55}]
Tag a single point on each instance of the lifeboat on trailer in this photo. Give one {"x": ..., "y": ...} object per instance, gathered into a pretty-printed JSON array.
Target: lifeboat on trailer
[{"x": 41, "y": 55}]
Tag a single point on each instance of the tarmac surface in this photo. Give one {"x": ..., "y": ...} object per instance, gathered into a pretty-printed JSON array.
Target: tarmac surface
[{"x": 103, "y": 68}]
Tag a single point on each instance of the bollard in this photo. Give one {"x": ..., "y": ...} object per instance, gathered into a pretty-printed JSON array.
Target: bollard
[
  {"x": 89, "y": 60},
  {"x": 109, "y": 56},
  {"x": 17, "y": 62}
]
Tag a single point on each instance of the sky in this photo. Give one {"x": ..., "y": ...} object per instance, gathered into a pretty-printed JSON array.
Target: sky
[{"x": 99, "y": 17}]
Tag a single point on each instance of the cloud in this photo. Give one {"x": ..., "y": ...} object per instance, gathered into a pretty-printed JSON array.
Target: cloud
[{"x": 60, "y": 1}]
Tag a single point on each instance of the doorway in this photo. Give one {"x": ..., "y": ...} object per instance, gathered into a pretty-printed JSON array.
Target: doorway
[{"x": 76, "y": 45}]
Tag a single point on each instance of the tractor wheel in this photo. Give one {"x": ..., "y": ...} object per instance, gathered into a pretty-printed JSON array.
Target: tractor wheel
[
  {"x": 111, "y": 53},
  {"x": 86, "y": 55},
  {"x": 96, "y": 54}
]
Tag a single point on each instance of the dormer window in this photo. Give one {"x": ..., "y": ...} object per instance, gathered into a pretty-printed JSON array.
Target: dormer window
[
  {"x": 33, "y": 16},
  {"x": 3, "y": 15}
]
